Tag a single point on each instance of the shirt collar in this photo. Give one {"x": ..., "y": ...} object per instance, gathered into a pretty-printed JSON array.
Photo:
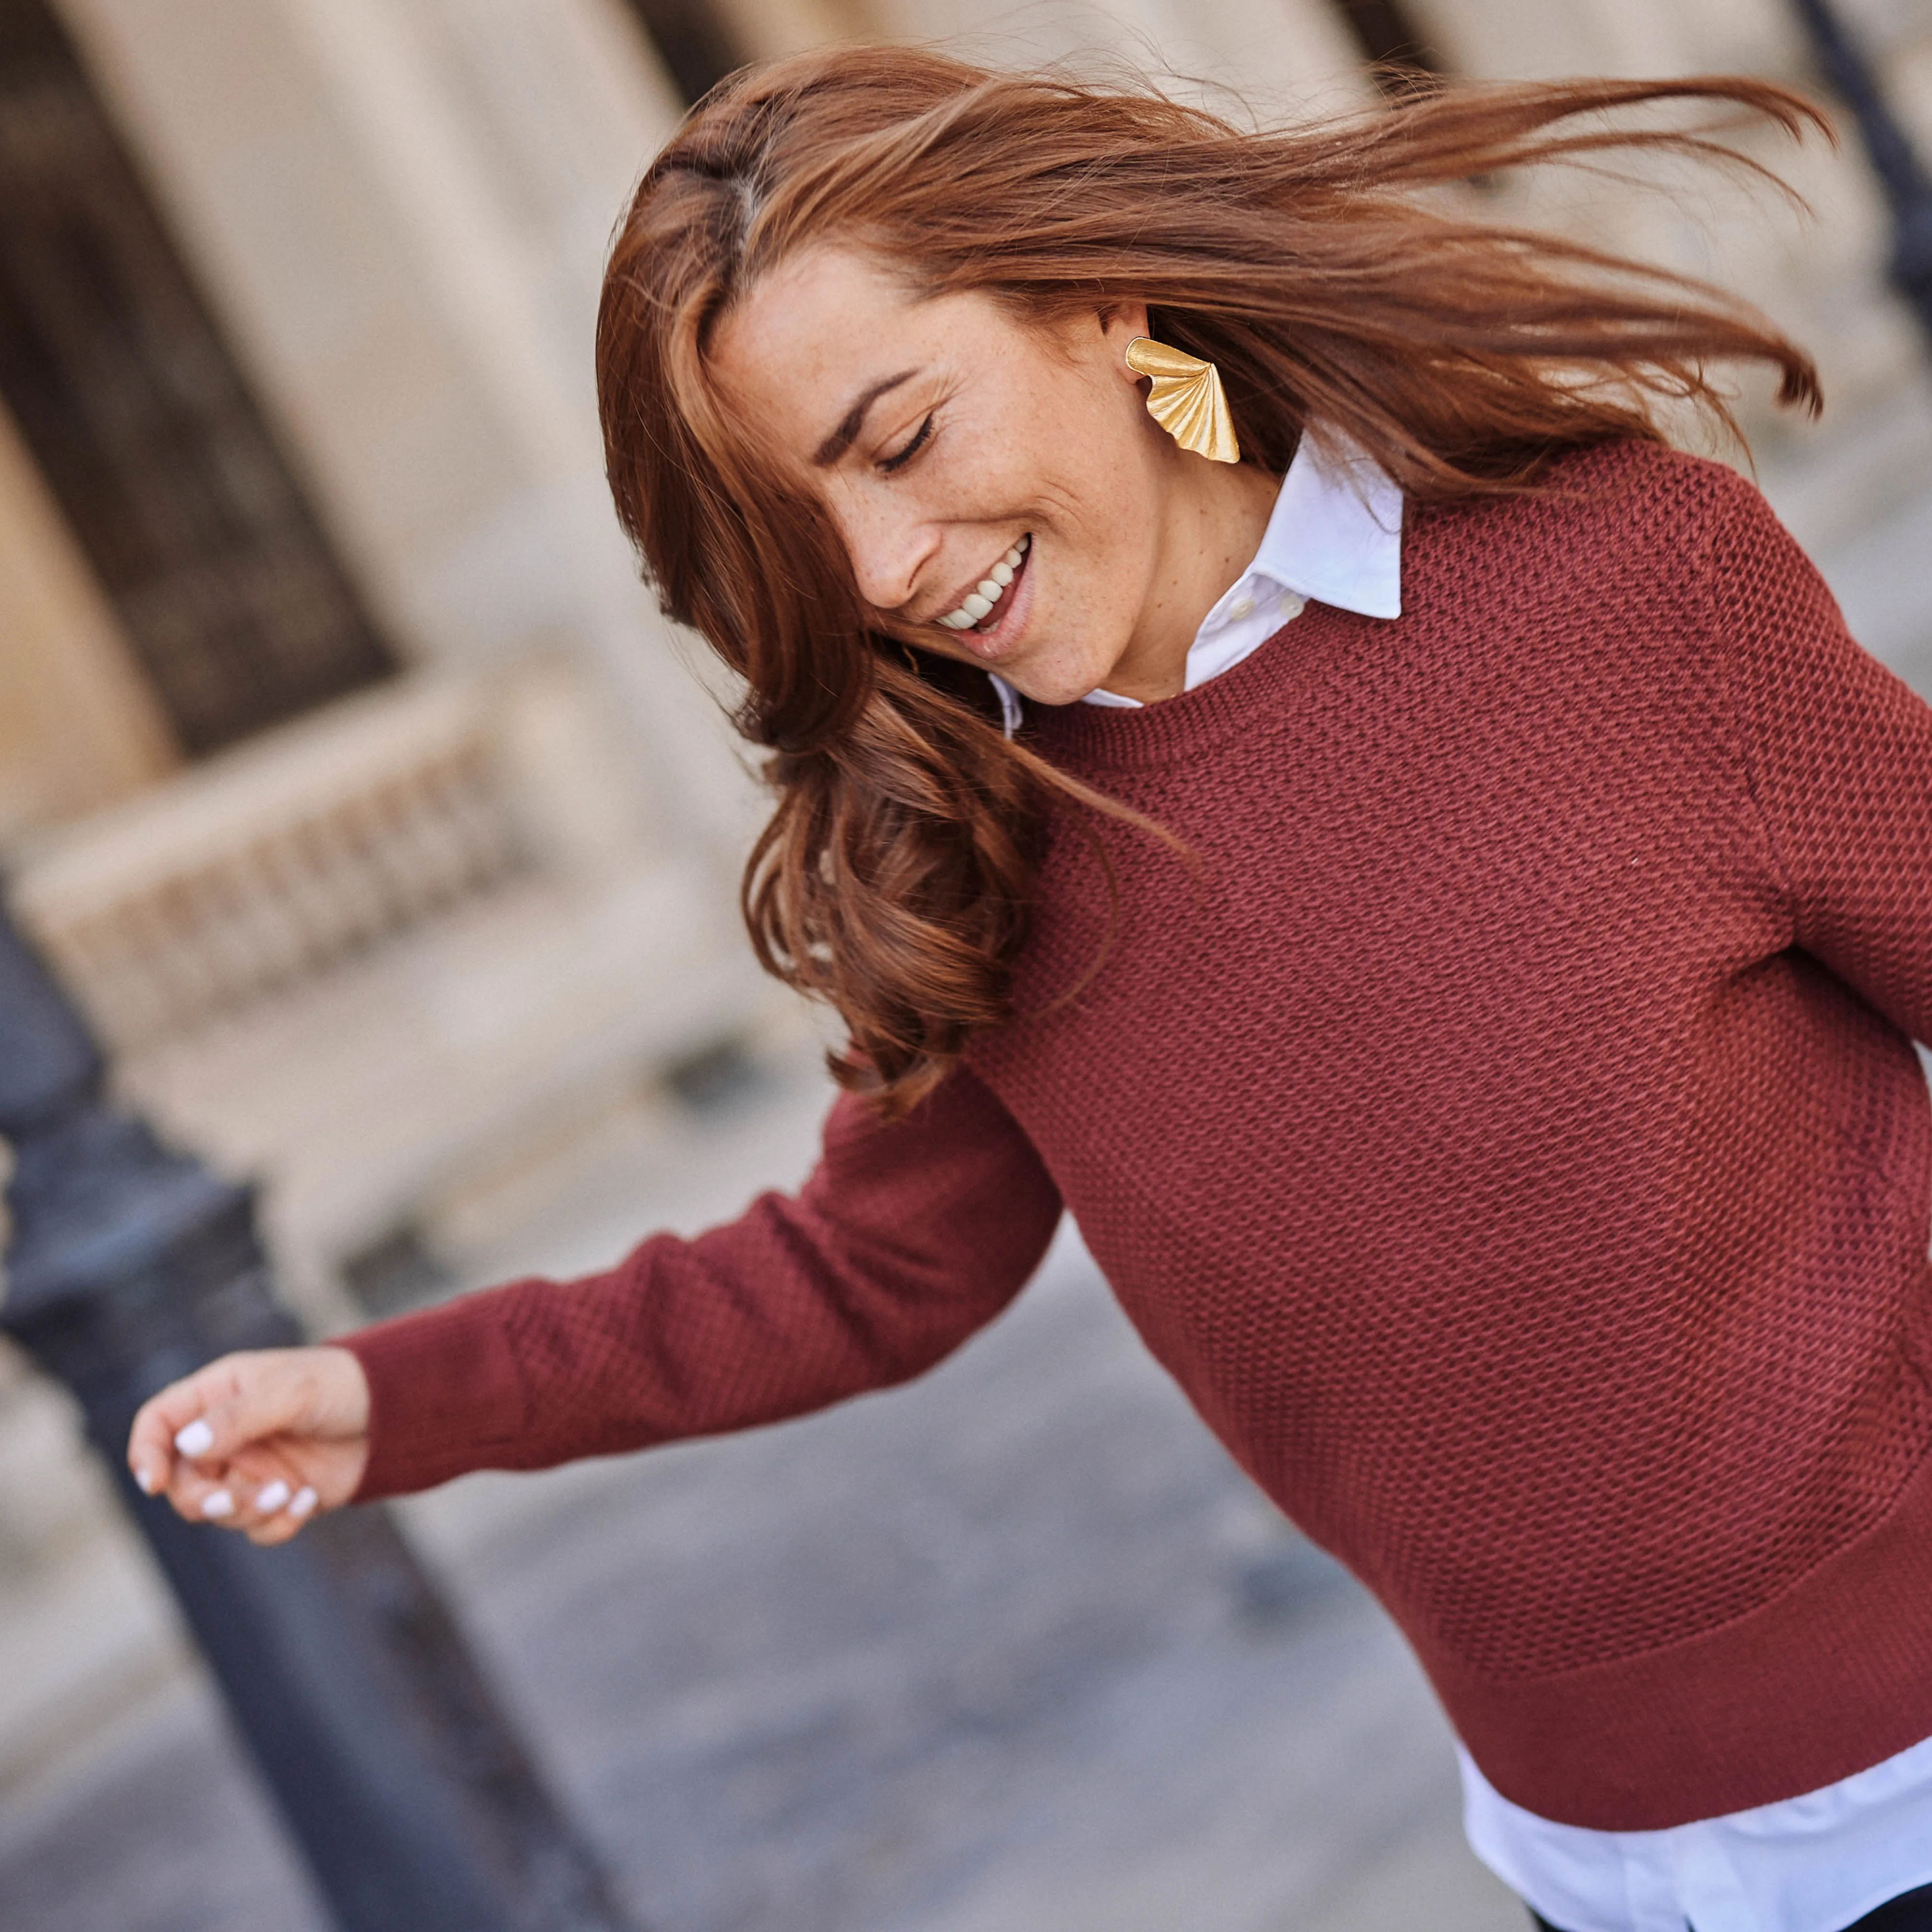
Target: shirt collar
[{"x": 1335, "y": 534}]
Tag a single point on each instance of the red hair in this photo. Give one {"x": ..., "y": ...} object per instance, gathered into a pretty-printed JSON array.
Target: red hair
[{"x": 894, "y": 877}]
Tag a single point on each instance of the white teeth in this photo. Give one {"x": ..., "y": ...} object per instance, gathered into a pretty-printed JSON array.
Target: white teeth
[{"x": 978, "y": 602}]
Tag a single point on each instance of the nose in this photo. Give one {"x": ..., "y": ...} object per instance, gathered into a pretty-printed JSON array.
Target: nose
[{"x": 889, "y": 547}]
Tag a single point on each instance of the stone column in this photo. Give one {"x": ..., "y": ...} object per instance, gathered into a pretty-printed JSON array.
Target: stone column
[{"x": 77, "y": 726}]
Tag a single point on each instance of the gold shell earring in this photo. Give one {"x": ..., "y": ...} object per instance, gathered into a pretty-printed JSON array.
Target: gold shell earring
[{"x": 1187, "y": 400}]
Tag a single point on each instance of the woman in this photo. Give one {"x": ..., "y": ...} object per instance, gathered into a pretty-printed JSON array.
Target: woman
[{"x": 1458, "y": 965}]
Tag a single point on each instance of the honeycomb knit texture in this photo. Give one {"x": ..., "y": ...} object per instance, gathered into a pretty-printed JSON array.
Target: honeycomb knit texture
[{"x": 1504, "y": 1125}]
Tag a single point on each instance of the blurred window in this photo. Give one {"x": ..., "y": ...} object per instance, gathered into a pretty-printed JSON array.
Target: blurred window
[{"x": 141, "y": 424}]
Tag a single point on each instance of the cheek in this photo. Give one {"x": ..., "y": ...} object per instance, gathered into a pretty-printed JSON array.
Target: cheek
[
  {"x": 1110, "y": 492},
  {"x": 1091, "y": 474},
  {"x": 1108, "y": 454}
]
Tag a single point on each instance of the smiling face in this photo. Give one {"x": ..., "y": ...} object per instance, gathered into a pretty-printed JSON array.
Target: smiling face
[{"x": 1001, "y": 492}]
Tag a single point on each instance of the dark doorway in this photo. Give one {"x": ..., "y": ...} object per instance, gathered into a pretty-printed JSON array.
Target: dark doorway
[
  {"x": 1403, "y": 59},
  {"x": 143, "y": 428},
  {"x": 697, "y": 47}
]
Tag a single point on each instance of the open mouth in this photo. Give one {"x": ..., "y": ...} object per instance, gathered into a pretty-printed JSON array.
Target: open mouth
[{"x": 979, "y": 609}]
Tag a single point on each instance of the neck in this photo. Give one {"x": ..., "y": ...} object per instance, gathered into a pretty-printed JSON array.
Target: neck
[{"x": 1217, "y": 514}]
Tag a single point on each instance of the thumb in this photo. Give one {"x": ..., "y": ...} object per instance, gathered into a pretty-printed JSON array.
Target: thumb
[
  {"x": 247, "y": 1397},
  {"x": 206, "y": 1417}
]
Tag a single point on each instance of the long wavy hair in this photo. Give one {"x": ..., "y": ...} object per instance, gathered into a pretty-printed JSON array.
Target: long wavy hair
[{"x": 894, "y": 877}]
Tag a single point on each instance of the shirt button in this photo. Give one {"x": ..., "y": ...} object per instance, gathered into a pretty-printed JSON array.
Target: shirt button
[{"x": 1241, "y": 607}]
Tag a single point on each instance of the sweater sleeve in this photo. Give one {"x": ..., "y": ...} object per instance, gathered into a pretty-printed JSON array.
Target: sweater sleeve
[
  {"x": 1838, "y": 754},
  {"x": 905, "y": 1239}
]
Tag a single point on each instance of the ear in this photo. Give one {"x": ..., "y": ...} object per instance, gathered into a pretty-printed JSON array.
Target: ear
[{"x": 1120, "y": 322}]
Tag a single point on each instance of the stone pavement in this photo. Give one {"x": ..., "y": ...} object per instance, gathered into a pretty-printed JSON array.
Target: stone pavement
[{"x": 1015, "y": 1649}]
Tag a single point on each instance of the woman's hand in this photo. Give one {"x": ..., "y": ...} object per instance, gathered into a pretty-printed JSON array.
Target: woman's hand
[{"x": 257, "y": 1441}]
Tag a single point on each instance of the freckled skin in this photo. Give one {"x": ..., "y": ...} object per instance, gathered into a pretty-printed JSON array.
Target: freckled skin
[{"x": 1033, "y": 431}]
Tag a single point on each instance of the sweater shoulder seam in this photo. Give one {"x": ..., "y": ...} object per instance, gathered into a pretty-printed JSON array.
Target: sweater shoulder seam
[{"x": 1721, "y": 648}]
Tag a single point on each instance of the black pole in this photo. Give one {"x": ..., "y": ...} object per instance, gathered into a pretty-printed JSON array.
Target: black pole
[
  {"x": 1908, "y": 187},
  {"x": 129, "y": 1266}
]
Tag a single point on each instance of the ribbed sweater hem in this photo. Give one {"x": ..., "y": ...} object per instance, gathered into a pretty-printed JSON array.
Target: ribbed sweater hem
[{"x": 1722, "y": 1722}]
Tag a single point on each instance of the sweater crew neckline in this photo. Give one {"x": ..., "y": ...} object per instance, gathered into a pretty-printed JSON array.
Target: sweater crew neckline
[{"x": 1148, "y": 736}]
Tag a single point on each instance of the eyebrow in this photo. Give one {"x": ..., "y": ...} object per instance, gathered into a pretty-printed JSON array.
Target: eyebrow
[{"x": 842, "y": 438}]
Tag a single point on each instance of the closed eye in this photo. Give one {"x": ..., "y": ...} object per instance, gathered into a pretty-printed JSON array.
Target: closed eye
[{"x": 902, "y": 457}]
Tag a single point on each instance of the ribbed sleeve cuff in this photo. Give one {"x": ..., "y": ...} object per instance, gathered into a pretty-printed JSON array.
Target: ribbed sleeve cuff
[{"x": 445, "y": 1395}]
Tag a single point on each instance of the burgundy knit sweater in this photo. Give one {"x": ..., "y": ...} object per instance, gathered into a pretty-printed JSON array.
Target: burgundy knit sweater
[{"x": 1506, "y": 1132}]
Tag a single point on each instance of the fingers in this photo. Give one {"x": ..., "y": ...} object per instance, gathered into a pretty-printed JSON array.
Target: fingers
[
  {"x": 275, "y": 1512},
  {"x": 260, "y": 1494},
  {"x": 280, "y": 1525},
  {"x": 151, "y": 1443},
  {"x": 246, "y": 1398},
  {"x": 217, "y": 1412}
]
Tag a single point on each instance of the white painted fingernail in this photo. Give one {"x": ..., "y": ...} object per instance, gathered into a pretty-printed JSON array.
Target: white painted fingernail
[
  {"x": 196, "y": 1439},
  {"x": 219, "y": 1503},
  {"x": 304, "y": 1501},
  {"x": 145, "y": 1476},
  {"x": 272, "y": 1496}
]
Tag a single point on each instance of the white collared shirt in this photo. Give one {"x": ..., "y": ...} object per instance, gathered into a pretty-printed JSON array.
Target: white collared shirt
[{"x": 1810, "y": 1864}]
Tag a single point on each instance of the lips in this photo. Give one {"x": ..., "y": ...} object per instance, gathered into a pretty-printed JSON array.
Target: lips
[{"x": 979, "y": 607}]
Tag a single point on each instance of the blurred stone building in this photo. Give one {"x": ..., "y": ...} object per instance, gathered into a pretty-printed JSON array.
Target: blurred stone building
[{"x": 346, "y": 773}]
